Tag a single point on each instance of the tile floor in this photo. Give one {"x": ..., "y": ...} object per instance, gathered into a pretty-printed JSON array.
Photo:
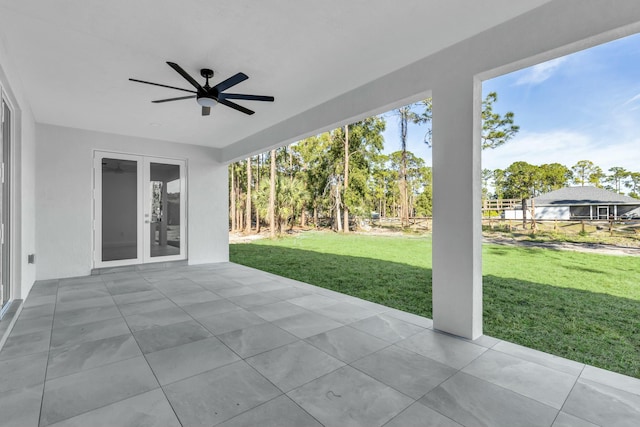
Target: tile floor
[{"x": 226, "y": 345}]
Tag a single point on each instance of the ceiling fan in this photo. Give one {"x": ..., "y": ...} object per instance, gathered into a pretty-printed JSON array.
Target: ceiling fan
[{"x": 208, "y": 96}]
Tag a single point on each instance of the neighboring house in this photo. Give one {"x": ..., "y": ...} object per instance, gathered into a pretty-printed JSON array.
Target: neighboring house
[{"x": 579, "y": 203}]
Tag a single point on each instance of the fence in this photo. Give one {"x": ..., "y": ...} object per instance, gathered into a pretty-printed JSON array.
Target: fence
[{"x": 613, "y": 228}]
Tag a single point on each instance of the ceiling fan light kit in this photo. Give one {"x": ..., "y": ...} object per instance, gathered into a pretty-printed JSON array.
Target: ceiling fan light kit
[{"x": 207, "y": 96}]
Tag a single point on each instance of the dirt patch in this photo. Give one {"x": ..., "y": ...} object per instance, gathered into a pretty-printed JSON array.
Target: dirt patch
[{"x": 596, "y": 248}]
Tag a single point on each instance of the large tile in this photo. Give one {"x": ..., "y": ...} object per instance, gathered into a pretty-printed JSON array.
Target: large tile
[
  {"x": 22, "y": 372},
  {"x": 279, "y": 412},
  {"x": 603, "y": 405},
  {"x": 418, "y": 415},
  {"x": 566, "y": 420},
  {"x": 189, "y": 298},
  {"x": 545, "y": 359},
  {"x": 21, "y": 408},
  {"x": 138, "y": 285},
  {"x": 176, "y": 363},
  {"x": 411, "y": 318},
  {"x": 71, "y": 395},
  {"x": 81, "y": 280},
  {"x": 408, "y": 372},
  {"x": 210, "y": 308},
  {"x": 22, "y": 345},
  {"x": 471, "y": 401},
  {"x": 306, "y": 324},
  {"x": 38, "y": 311},
  {"x": 347, "y": 344},
  {"x": 230, "y": 321},
  {"x": 88, "y": 355},
  {"x": 387, "y": 328},
  {"x": 256, "y": 339},
  {"x": 293, "y": 365},
  {"x": 446, "y": 349},
  {"x": 161, "y": 337},
  {"x": 140, "y": 296},
  {"x": 278, "y": 310},
  {"x": 163, "y": 317},
  {"x": 176, "y": 286},
  {"x": 150, "y": 409},
  {"x": 146, "y": 306},
  {"x": 612, "y": 379},
  {"x": 236, "y": 291},
  {"x": 347, "y": 397},
  {"x": 36, "y": 300},
  {"x": 252, "y": 300},
  {"x": 86, "y": 315},
  {"x": 538, "y": 382},
  {"x": 29, "y": 326},
  {"x": 313, "y": 301},
  {"x": 105, "y": 301},
  {"x": 288, "y": 292},
  {"x": 344, "y": 312},
  {"x": 215, "y": 396},
  {"x": 83, "y": 294},
  {"x": 77, "y": 334}
]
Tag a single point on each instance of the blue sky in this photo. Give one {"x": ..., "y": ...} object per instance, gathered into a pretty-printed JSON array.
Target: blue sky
[{"x": 585, "y": 106}]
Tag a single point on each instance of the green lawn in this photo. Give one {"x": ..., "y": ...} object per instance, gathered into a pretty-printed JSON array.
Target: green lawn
[{"x": 580, "y": 306}]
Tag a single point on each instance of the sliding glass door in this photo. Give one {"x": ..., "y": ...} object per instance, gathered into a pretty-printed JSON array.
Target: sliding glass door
[{"x": 139, "y": 209}]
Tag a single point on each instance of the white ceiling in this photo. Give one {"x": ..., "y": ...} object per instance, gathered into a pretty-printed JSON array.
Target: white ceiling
[{"x": 74, "y": 57}]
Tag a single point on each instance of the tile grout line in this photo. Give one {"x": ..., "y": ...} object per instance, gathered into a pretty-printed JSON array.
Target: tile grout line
[
  {"x": 46, "y": 369},
  {"x": 146, "y": 361}
]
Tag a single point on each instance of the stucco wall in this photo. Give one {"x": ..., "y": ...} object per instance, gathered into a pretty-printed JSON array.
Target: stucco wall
[
  {"x": 64, "y": 197},
  {"x": 23, "y": 228}
]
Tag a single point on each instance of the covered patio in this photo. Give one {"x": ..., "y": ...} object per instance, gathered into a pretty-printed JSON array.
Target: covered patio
[
  {"x": 92, "y": 334},
  {"x": 227, "y": 345}
]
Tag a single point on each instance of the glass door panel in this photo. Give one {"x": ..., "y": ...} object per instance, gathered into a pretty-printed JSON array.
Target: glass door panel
[
  {"x": 164, "y": 210},
  {"x": 164, "y": 218},
  {"x": 119, "y": 209}
]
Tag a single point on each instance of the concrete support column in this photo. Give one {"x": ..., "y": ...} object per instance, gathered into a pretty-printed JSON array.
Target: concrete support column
[{"x": 457, "y": 189}]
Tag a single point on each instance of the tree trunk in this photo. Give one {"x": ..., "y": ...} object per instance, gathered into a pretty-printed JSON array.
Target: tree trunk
[
  {"x": 404, "y": 208},
  {"x": 247, "y": 227},
  {"x": 337, "y": 209},
  {"x": 303, "y": 218},
  {"x": 232, "y": 208},
  {"x": 346, "y": 177},
  {"x": 272, "y": 195},
  {"x": 315, "y": 215}
]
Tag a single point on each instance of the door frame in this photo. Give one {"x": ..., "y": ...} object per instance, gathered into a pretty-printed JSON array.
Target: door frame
[
  {"x": 146, "y": 255},
  {"x": 607, "y": 214},
  {"x": 8, "y": 229},
  {"x": 143, "y": 209}
]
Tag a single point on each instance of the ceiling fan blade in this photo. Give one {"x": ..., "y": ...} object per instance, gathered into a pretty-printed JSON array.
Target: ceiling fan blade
[
  {"x": 184, "y": 74},
  {"x": 158, "y": 84},
  {"x": 206, "y": 110},
  {"x": 174, "y": 99},
  {"x": 235, "y": 106},
  {"x": 247, "y": 97},
  {"x": 231, "y": 81}
]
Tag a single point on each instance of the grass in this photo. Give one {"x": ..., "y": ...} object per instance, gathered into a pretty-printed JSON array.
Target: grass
[{"x": 581, "y": 306}]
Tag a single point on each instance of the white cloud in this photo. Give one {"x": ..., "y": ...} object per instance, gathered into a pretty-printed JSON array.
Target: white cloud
[
  {"x": 632, "y": 99},
  {"x": 565, "y": 147},
  {"x": 539, "y": 73}
]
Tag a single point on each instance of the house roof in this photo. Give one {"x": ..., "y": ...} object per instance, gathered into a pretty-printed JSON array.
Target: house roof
[{"x": 583, "y": 196}]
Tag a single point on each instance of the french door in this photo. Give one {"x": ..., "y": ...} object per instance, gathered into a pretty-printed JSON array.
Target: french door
[{"x": 139, "y": 209}]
